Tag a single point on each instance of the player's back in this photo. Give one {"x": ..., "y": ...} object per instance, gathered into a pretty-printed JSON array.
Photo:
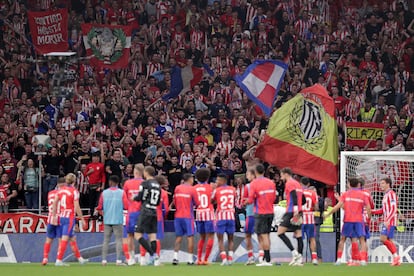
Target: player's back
[
  {"x": 205, "y": 211},
  {"x": 164, "y": 206},
  {"x": 67, "y": 196},
  {"x": 308, "y": 208},
  {"x": 184, "y": 197},
  {"x": 354, "y": 202},
  {"x": 293, "y": 186},
  {"x": 264, "y": 191},
  {"x": 131, "y": 188},
  {"x": 389, "y": 207},
  {"x": 53, "y": 220},
  {"x": 225, "y": 196},
  {"x": 371, "y": 204},
  {"x": 249, "y": 207},
  {"x": 151, "y": 196}
]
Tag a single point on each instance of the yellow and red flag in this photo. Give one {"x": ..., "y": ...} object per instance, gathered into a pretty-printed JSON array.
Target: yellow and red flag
[{"x": 303, "y": 135}]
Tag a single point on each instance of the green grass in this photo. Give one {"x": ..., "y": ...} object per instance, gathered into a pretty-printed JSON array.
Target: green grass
[{"x": 211, "y": 270}]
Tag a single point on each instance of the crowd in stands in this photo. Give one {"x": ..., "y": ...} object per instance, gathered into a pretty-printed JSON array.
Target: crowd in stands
[{"x": 362, "y": 51}]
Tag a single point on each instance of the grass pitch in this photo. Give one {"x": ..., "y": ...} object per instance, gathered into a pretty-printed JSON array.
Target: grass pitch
[{"x": 35, "y": 269}]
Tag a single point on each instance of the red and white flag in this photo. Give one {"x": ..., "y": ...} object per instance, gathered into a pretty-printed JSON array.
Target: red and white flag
[
  {"x": 108, "y": 45},
  {"x": 49, "y": 30}
]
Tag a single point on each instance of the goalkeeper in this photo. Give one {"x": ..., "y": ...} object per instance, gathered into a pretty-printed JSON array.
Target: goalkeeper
[{"x": 292, "y": 219}]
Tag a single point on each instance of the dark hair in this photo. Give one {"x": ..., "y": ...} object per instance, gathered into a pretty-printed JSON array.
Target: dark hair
[
  {"x": 187, "y": 176},
  {"x": 114, "y": 179},
  {"x": 202, "y": 175},
  {"x": 150, "y": 170},
  {"x": 260, "y": 169},
  {"x": 387, "y": 180},
  {"x": 305, "y": 181},
  {"x": 222, "y": 176},
  {"x": 362, "y": 181},
  {"x": 287, "y": 171},
  {"x": 353, "y": 182}
]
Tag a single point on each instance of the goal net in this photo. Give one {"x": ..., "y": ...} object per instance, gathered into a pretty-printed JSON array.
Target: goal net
[{"x": 372, "y": 167}]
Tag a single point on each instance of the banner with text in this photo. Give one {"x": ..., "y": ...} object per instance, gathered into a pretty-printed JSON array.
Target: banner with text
[
  {"x": 13, "y": 223},
  {"x": 49, "y": 30},
  {"x": 359, "y": 134}
]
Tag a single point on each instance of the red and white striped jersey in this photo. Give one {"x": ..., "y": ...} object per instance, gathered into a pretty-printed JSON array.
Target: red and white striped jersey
[
  {"x": 225, "y": 145},
  {"x": 53, "y": 220},
  {"x": 197, "y": 38},
  {"x": 308, "y": 209},
  {"x": 186, "y": 156},
  {"x": 340, "y": 34},
  {"x": 162, "y": 8},
  {"x": 401, "y": 79},
  {"x": 225, "y": 197},
  {"x": 250, "y": 13},
  {"x": 67, "y": 197},
  {"x": 68, "y": 123},
  {"x": 82, "y": 183},
  {"x": 389, "y": 208},
  {"x": 302, "y": 27},
  {"x": 352, "y": 109},
  {"x": 205, "y": 211},
  {"x": 179, "y": 37},
  {"x": 391, "y": 28},
  {"x": 371, "y": 203},
  {"x": 152, "y": 68}
]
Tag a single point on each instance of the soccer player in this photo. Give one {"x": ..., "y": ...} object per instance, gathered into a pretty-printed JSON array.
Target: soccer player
[
  {"x": 185, "y": 199},
  {"x": 291, "y": 219},
  {"x": 249, "y": 226},
  {"x": 150, "y": 197},
  {"x": 131, "y": 189},
  {"x": 224, "y": 196},
  {"x": 111, "y": 204},
  {"x": 162, "y": 211},
  {"x": 67, "y": 198},
  {"x": 390, "y": 216},
  {"x": 367, "y": 220},
  {"x": 262, "y": 194},
  {"x": 353, "y": 202},
  {"x": 204, "y": 215},
  {"x": 53, "y": 229},
  {"x": 308, "y": 225}
]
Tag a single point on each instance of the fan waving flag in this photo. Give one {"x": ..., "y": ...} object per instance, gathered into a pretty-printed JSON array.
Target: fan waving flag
[
  {"x": 303, "y": 135},
  {"x": 261, "y": 82},
  {"x": 108, "y": 45},
  {"x": 182, "y": 80}
]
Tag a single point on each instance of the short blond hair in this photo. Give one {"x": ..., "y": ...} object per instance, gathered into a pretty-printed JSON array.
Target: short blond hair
[{"x": 70, "y": 178}]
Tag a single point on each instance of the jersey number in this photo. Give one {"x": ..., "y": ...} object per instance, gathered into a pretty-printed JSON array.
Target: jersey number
[
  {"x": 227, "y": 202},
  {"x": 155, "y": 197},
  {"x": 308, "y": 205},
  {"x": 62, "y": 202},
  {"x": 203, "y": 201}
]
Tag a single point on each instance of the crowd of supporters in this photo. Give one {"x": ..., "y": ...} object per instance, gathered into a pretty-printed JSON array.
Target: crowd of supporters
[{"x": 362, "y": 51}]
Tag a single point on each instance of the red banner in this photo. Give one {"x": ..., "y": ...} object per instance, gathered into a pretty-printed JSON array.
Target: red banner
[
  {"x": 13, "y": 223},
  {"x": 49, "y": 30},
  {"x": 108, "y": 45},
  {"x": 359, "y": 134}
]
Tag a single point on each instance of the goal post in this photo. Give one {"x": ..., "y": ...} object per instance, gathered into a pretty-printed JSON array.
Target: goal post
[{"x": 372, "y": 166}]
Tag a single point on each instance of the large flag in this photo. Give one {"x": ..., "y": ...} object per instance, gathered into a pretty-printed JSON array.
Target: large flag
[
  {"x": 182, "y": 80},
  {"x": 49, "y": 30},
  {"x": 261, "y": 82},
  {"x": 303, "y": 135},
  {"x": 108, "y": 45}
]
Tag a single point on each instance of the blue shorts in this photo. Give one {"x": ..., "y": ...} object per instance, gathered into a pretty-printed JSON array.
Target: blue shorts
[
  {"x": 132, "y": 221},
  {"x": 53, "y": 231},
  {"x": 308, "y": 230},
  {"x": 67, "y": 225},
  {"x": 225, "y": 226},
  {"x": 204, "y": 227},
  {"x": 367, "y": 232},
  {"x": 184, "y": 227},
  {"x": 160, "y": 230},
  {"x": 124, "y": 232},
  {"x": 249, "y": 226},
  {"x": 389, "y": 232},
  {"x": 353, "y": 229}
]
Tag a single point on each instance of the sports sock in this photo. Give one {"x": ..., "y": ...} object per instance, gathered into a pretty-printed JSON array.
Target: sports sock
[
  {"x": 142, "y": 251},
  {"x": 209, "y": 247},
  {"x": 363, "y": 255},
  {"x": 267, "y": 256},
  {"x": 126, "y": 252},
  {"x": 391, "y": 246},
  {"x": 200, "y": 249},
  {"x": 261, "y": 255},
  {"x": 314, "y": 255},
  {"x": 158, "y": 251},
  {"x": 339, "y": 254},
  {"x": 300, "y": 245},
  {"x": 75, "y": 249},
  {"x": 286, "y": 241},
  {"x": 46, "y": 250},
  {"x": 146, "y": 245},
  {"x": 250, "y": 254},
  {"x": 223, "y": 255},
  {"x": 175, "y": 255},
  {"x": 153, "y": 247},
  {"x": 62, "y": 249},
  {"x": 355, "y": 251},
  {"x": 230, "y": 256}
]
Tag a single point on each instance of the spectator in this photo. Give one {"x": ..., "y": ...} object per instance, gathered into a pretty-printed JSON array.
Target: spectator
[{"x": 28, "y": 175}]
